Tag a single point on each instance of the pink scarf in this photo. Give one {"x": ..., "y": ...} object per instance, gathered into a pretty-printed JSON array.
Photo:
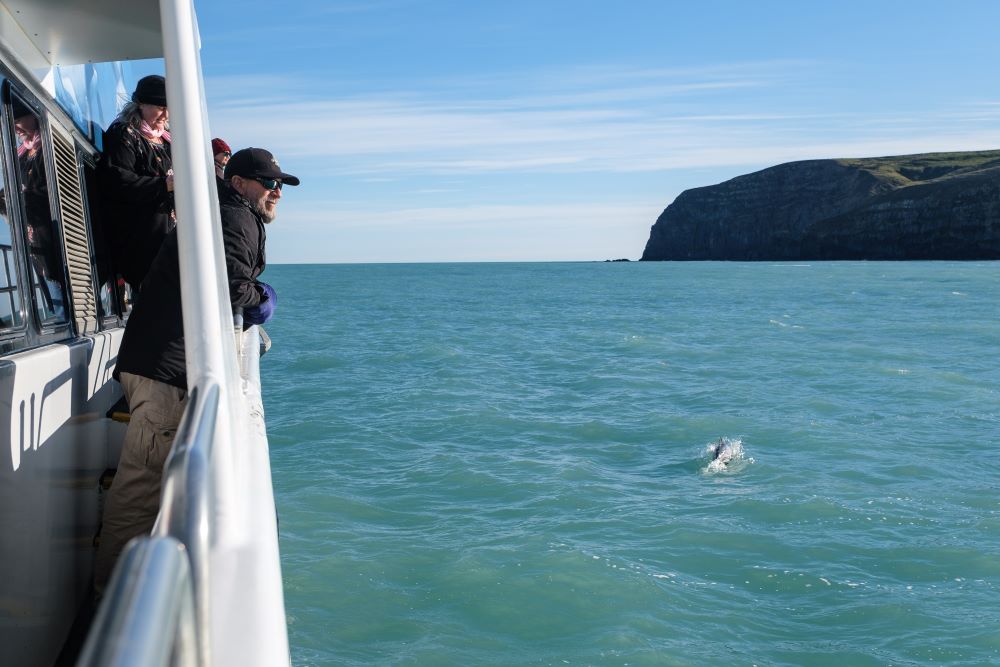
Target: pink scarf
[
  {"x": 30, "y": 144},
  {"x": 150, "y": 133}
]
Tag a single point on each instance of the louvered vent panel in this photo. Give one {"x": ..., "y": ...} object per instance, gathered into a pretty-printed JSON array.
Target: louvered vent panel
[{"x": 75, "y": 237}]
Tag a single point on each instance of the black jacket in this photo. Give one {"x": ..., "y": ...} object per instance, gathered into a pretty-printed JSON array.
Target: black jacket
[
  {"x": 138, "y": 209},
  {"x": 243, "y": 239},
  {"x": 153, "y": 345}
]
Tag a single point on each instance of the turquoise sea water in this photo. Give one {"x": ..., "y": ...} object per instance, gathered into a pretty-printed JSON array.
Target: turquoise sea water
[{"x": 505, "y": 464}]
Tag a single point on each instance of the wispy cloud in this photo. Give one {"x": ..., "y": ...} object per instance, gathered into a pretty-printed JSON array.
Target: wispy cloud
[
  {"x": 430, "y": 167},
  {"x": 544, "y": 121},
  {"x": 612, "y": 120},
  {"x": 469, "y": 233},
  {"x": 572, "y": 216},
  {"x": 362, "y": 6}
]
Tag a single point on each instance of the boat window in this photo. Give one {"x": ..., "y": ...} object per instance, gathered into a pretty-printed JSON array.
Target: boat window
[
  {"x": 108, "y": 299},
  {"x": 40, "y": 228},
  {"x": 93, "y": 93},
  {"x": 11, "y": 312}
]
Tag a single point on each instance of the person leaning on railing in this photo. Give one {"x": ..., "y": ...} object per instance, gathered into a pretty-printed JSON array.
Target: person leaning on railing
[
  {"x": 137, "y": 180},
  {"x": 151, "y": 361},
  {"x": 220, "y": 157}
]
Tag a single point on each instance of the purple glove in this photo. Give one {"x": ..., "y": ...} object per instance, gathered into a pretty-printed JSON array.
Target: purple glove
[{"x": 263, "y": 311}]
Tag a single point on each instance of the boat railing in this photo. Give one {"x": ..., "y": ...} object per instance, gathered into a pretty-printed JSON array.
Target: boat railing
[
  {"x": 148, "y": 615},
  {"x": 231, "y": 572},
  {"x": 184, "y": 503},
  {"x": 137, "y": 601}
]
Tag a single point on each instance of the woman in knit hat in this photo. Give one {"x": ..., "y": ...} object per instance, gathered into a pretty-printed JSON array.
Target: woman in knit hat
[{"x": 137, "y": 180}]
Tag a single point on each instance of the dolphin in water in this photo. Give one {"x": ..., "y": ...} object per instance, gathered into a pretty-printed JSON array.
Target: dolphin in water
[
  {"x": 724, "y": 451},
  {"x": 727, "y": 454}
]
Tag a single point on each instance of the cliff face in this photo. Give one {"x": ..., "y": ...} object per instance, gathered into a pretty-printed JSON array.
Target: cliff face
[{"x": 930, "y": 206}]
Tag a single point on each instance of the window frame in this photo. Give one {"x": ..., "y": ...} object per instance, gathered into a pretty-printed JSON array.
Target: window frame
[
  {"x": 46, "y": 331},
  {"x": 14, "y": 337},
  {"x": 33, "y": 331},
  {"x": 116, "y": 319}
]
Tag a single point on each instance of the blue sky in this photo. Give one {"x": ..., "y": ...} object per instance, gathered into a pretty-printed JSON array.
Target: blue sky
[{"x": 442, "y": 130}]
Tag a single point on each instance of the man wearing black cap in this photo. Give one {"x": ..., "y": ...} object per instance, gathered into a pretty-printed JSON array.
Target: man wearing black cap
[
  {"x": 255, "y": 180},
  {"x": 151, "y": 361}
]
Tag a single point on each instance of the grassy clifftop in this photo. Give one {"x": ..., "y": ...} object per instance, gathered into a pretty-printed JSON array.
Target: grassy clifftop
[{"x": 905, "y": 170}]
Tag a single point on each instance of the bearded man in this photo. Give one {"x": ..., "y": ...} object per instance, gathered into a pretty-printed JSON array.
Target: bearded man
[
  {"x": 151, "y": 362},
  {"x": 255, "y": 180}
]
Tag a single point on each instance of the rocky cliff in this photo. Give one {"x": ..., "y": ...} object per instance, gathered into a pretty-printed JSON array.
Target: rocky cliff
[{"x": 927, "y": 206}]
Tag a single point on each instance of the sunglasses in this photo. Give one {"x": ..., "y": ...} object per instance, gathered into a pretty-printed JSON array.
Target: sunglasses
[{"x": 269, "y": 183}]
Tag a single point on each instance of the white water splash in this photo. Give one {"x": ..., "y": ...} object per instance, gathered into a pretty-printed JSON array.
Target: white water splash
[{"x": 727, "y": 455}]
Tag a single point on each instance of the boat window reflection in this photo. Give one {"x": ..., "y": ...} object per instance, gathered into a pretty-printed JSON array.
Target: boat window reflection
[
  {"x": 10, "y": 295},
  {"x": 91, "y": 93},
  {"x": 45, "y": 265}
]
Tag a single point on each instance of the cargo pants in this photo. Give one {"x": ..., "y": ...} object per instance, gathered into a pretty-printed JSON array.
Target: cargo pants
[{"x": 134, "y": 498}]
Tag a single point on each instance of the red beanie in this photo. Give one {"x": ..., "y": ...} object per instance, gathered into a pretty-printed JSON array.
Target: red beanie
[{"x": 219, "y": 146}]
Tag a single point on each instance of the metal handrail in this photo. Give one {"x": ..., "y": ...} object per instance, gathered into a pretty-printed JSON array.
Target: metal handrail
[
  {"x": 148, "y": 613},
  {"x": 183, "y": 521},
  {"x": 184, "y": 504},
  {"x": 139, "y": 608}
]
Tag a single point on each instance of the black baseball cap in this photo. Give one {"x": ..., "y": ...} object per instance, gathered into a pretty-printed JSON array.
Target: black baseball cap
[
  {"x": 257, "y": 163},
  {"x": 151, "y": 89}
]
